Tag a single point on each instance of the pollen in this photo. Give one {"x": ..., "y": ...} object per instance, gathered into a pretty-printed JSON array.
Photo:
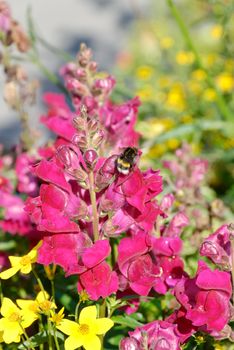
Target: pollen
[
  {"x": 14, "y": 317},
  {"x": 25, "y": 260},
  {"x": 84, "y": 329},
  {"x": 45, "y": 305}
]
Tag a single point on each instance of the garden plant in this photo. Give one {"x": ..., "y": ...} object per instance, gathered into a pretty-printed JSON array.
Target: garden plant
[{"x": 98, "y": 249}]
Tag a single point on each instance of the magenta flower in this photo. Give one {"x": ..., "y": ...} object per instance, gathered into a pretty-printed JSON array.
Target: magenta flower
[
  {"x": 27, "y": 181},
  {"x": 136, "y": 264},
  {"x": 64, "y": 250},
  {"x": 157, "y": 335},
  {"x": 59, "y": 117},
  {"x": 206, "y": 298},
  {"x": 217, "y": 247},
  {"x": 99, "y": 281}
]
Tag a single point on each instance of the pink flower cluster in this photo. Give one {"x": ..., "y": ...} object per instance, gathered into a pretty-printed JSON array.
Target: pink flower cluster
[{"x": 109, "y": 228}]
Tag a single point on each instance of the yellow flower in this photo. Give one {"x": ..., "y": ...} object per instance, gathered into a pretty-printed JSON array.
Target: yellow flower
[
  {"x": 13, "y": 322},
  {"x": 166, "y": 42},
  {"x": 184, "y": 57},
  {"x": 21, "y": 263},
  {"x": 176, "y": 98},
  {"x": 86, "y": 332},
  {"x": 32, "y": 308},
  {"x": 209, "y": 94},
  {"x": 225, "y": 82},
  {"x": 216, "y": 31},
  {"x": 57, "y": 318},
  {"x": 145, "y": 93},
  {"x": 144, "y": 72},
  {"x": 173, "y": 143},
  {"x": 199, "y": 74}
]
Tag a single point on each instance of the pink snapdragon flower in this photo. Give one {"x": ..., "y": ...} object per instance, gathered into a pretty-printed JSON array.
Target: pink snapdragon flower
[
  {"x": 157, "y": 335},
  {"x": 217, "y": 247},
  {"x": 206, "y": 298},
  {"x": 27, "y": 181}
]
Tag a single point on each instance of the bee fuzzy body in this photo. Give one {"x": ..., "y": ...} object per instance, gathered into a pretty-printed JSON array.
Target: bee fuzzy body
[{"x": 126, "y": 160}]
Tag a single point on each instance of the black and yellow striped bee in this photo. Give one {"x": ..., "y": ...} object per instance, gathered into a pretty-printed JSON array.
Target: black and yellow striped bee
[{"x": 126, "y": 160}]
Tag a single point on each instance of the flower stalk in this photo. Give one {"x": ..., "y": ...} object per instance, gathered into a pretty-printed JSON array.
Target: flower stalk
[{"x": 94, "y": 206}]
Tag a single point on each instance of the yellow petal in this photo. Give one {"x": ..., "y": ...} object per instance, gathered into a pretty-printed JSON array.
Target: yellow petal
[
  {"x": 26, "y": 304},
  {"x": 8, "y": 307},
  {"x": 33, "y": 253},
  {"x": 68, "y": 327},
  {"x": 102, "y": 325},
  {"x": 26, "y": 269},
  {"x": 12, "y": 333},
  {"x": 88, "y": 314},
  {"x": 72, "y": 343},
  {"x": 14, "y": 260},
  {"x": 9, "y": 272},
  {"x": 42, "y": 296},
  {"x": 92, "y": 342}
]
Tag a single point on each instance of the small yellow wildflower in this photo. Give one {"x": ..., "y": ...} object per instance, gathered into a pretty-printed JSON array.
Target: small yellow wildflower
[
  {"x": 225, "y": 82},
  {"x": 185, "y": 57},
  {"x": 32, "y": 308},
  {"x": 146, "y": 93},
  {"x": 216, "y": 31},
  {"x": 176, "y": 97},
  {"x": 209, "y": 95},
  {"x": 56, "y": 318},
  {"x": 13, "y": 322},
  {"x": 173, "y": 143},
  {"x": 199, "y": 74},
  {"x": 22, "y": 264},
  {"x": 86, "y": 332},
  {"x": 144, "y": 72},
  {"x": 166, "y": 42}
]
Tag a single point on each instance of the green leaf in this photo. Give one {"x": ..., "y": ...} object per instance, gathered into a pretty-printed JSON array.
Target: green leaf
[
  {"x": 126, "y": 321},
  {"x": 38, "y": 339}
]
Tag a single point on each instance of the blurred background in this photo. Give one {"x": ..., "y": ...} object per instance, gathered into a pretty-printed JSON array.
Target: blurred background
[{"x": 104, "y": 25}]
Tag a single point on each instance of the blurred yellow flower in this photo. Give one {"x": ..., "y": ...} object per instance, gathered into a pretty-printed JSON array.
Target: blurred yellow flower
[
  {"x": 210, "y": 59},
  {"x": 164, "y": 81},
  {"x": 176, "y": 98},
  {"x": 184, "y": 57},
  {"x": 186, "y": 118},
  {"x": 85, "y": 333},
  {"x": 156, "y": 151},
  {"x": 13, "y": 322},
  {"x": 146, "y": 93},
  {"x": 22, "y": 264},
  {"x": 209, "y": 94},
  {"x": 199, "y": 74},
  {"x": 144, "y": 72},
  {"x": 166, "y": 42},
  {"x": 153, "y": 127},
  {"x": 172, "y": 144},
  {"x": 195, "y": 87},
  {"x": 216, "y": 31},
  {"x": 225, "y": 82}
]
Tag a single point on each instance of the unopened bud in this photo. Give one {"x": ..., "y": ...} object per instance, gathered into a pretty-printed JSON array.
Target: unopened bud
[
  {"x": 97, "y": 139},
  {"x": 79, "y": 123},
  {"x": 129, "y": 344},
  {"x": 90, "y": 158}
]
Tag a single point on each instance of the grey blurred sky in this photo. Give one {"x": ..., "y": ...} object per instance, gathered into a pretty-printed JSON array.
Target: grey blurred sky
[{"x": 103, "y": 24}]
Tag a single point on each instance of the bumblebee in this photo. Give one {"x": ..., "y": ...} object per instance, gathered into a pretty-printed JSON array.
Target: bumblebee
[{"x": 126, "y": 160}]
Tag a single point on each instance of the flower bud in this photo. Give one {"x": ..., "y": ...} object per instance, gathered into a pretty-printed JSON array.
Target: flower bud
[
  {"x": 79, "y": 123},
  {"x": 90, "y": 158},
  {"x": 129, "y": 344},
  {"x": 97, "y": 139}
]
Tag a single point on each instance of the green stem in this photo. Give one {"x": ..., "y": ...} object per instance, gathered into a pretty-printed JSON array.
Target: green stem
[
  {"x": 76, "y": 311},
  {"x": 56, "y": 339},
  {"x": 39, "y": 283},
  {"x": 102, "y": 313},
  {"x": 49, "y": 334},
  {"x": 94, "y": 206},
  {"x": 184, "y": 30},
  {"x": 27, "y": 337}
]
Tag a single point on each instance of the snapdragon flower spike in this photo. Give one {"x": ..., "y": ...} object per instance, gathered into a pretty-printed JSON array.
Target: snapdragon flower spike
[{"x": 217, "y": 247}]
